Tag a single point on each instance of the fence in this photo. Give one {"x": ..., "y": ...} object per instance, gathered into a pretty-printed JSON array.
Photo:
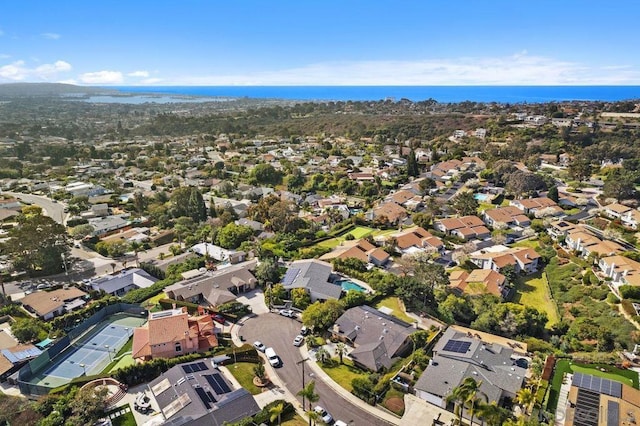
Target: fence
[{"x": 48, "y": 356}]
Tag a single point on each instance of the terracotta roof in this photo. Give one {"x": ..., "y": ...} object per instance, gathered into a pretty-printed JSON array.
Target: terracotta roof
[
  {"x": 379, "y": 254},
  {"x": 391, "y": 211},
  {"x": 536, "y": 203},
  {"x": 504, "y": 260},
  {"x": 141, "y": 346},
  {"x": 402, "y": 196},
  {"x": 504, "y": 214},
  {"x": 167, "y": 329}
]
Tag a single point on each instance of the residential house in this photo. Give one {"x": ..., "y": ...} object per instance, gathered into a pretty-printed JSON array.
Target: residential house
[
  {"x": 416, "y": 239},
  {"x": 463, "y": 353},
  {"x": 531, "y": 206},
  {"x": 621, "y": 270},
  {"x": 214, "y": 287},
  {"x": 315, "y": 276},
  {"x": 171, "y": 333},
  {"x": 560, "y": 229},
  {"x": 509, "y": 216},
  {"x": 14, "y": 357},
  {"x": 584, "y": 242},
  {"x": 631, "y": 218},
  {"x": 49, "y": 304},
  {"x": 378, "y": 339},
  {"x": 478, "y": 282},
  {"x": 105, "y": 225},
  {"x": 122, "y": 282},
  {"x": 524, "y": 259},
  {"x": 361, "y": 249},
  {"x": 197, "y": 393},
  {"x": 466, "y": 227},
  {"x": 389, "y": 212},
  {"x": 599, "y": 401},
  {"x": 616, "y": 211}
]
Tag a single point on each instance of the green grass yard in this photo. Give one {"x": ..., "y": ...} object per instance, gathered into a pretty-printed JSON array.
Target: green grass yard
[
  {"x": 393, "y": 303},
  {"x": 531, "y": 243},
  {"x": 243, "y": 372},
  {"x": 533, "y": 291},
  {"x": 344, "y": 373}
]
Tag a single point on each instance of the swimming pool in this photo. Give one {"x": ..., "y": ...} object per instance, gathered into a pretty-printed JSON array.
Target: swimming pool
[
  {"x": 350, "y": 285},
  {"x": 481, "y": 197}
]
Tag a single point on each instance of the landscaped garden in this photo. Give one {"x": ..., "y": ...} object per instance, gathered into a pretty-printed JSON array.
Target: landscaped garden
[
  {"x": 244, "y": 374},
  {"x": 628, "y": 377}
]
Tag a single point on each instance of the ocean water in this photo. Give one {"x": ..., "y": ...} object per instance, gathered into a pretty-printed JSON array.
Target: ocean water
[{"x": 442, "y": 94}]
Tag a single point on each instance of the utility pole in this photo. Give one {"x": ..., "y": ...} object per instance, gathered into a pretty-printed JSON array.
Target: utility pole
[{"x": 302, "y": 361}]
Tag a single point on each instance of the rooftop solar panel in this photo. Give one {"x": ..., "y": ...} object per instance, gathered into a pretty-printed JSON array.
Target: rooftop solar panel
[
  {"x": 187, "y": 368},
  {"x": 223, "y": 385},
  {"x": 290, "y": 276},
  {"x": 613, "y": 413},
  {"x": 457, "y": 346},
  {"x": 202, "y": 366},
  {"x": 597, "y": 384},
  {"x": 214, "y": 384},
  {"x": 204, "y": 398}
]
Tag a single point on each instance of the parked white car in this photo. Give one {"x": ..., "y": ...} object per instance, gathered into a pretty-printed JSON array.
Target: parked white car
[{"x": 273, "y": 358}]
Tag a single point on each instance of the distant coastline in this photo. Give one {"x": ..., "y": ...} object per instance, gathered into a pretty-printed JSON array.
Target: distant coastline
[{"x": 442, "y": 94}]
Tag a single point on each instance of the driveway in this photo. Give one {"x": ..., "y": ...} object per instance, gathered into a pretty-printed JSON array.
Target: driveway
[{"x": 278, "y": 332}]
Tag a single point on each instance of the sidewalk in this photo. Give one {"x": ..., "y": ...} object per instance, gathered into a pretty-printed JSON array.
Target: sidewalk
[{"x": 354, "y": 400}]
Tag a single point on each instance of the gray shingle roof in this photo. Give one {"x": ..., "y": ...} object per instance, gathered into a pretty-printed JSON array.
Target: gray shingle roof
[
  {"x": 492, "y": 364},
  {"x": 113, "y": 283},
  {"x": 314, "y": 276},
  {"x": 378, "y": 337}
]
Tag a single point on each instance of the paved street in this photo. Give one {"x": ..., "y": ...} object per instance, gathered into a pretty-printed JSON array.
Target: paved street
[
  {"x": 278, "y": 332},
  {"x": 53, "y": 209}
]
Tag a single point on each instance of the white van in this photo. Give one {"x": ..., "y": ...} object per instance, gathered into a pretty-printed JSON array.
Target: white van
[{"x": 272, "y": 357}]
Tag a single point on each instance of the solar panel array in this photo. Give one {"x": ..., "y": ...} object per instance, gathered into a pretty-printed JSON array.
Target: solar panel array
[
  {"x": 597, "y": 384},
  {"x": 217, "y": 383},
  {"x": 613, "y": 413},
  {"x": 207, "y": 397},
  {"x": 195, "y": 367},
  {"x": 587, "y": 408},
  {"x": 457, "y": 346},
  {"x": 290, "y": 276}
]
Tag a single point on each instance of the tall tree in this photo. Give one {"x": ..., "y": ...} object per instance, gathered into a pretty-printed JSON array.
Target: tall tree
[
  {"x": 412, "y": 164},
  {"x": 465, "y": 204},
  {"x": 37, "y": 245},
  {"x": 308, "y": 393},
  {"x": 275, "y": 413}
]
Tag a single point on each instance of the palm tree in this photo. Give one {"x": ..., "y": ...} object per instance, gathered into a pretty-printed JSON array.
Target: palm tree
[
  {"x": 456, "y": 397},
  {"x": 308, "y": 392},
  {"x": 136, "y": 247},
  {"x": 525, "y": 398},
  {"x": 492, "y": 413},
  {"x": 341, "y": 350},
  {"x": 322, "y": 355},
  {"x": 470, "y": 389},
  {"x": 259, "y": 371},
  {"x": 310, "y": 341},
  {"x": 276, "y": 413},
  {"x": 313, "y": 417}
]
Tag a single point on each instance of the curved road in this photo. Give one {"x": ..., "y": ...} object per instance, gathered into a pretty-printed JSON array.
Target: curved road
[
  {"x": 52, "y": 208},
  {"x": 278, "y": 332}
]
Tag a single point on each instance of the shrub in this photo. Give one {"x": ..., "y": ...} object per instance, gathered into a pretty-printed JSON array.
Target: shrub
[{"x": 629, "y": 292}]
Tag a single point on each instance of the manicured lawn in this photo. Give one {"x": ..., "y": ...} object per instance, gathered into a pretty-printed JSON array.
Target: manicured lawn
[
  {"x": 628, "y": 377},
  {"x": 358, "y": 232},
  {"x": 153, "y": 301},
  {"x": 533, "y": 243},
  {"x": 394, "y": 304},
  {"x": 343, "y": 374},
  {"x": 127, "y": 419},
  {"x": 125, "y": 361},
  {"x": 243, "y": 372},
  {"x": 332, "y": 243},
  {"x": 485, "y": 206},
  {"x": 361, "y": 232},
  {"x": 533, "y": 291}
]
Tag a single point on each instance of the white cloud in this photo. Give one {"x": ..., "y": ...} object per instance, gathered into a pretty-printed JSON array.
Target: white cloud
[
  {"x": 68, "y": 81},
  {"x": 518, "y": 69},
  {"x": 152, "y": 81},
  {"x": 139, "y": 74},
  {"x": 51, "y": 36},
  {"x": 102, "y": 77},
  {"x": 19, "y": 71}
]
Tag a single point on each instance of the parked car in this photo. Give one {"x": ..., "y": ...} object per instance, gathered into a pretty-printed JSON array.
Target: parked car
[
  {"x": 287, "y": 313},
  {"x": 305, "y": 330},
  {"x": 273, "y": 358},
  {"x": 340, "y": 423},
  {"x": 218, "y": 318},
  {"x": 298, "y": 340},
  {"x": 324, "y": 415},
  {"x": 259, "y": 346}
]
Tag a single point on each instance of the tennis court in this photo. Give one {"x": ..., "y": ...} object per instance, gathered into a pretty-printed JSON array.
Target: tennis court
[{"x": 91, "y": 353}]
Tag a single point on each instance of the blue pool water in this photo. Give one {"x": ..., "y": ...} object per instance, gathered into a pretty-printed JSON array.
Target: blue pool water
[
  {"x": 481, "y": 197},
  {"x": 350, "y": 285}
]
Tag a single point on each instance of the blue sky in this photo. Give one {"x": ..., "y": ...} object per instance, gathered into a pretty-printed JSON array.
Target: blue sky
[{"x": 328, "y": 42}]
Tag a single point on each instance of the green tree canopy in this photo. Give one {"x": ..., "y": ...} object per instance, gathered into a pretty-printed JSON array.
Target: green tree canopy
[
  {"x": 266, "y": 174},
  {"x": 37, "y": 245},
  {"x": 321, "y": 315},
  {"x": 232, "y": 235}
]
